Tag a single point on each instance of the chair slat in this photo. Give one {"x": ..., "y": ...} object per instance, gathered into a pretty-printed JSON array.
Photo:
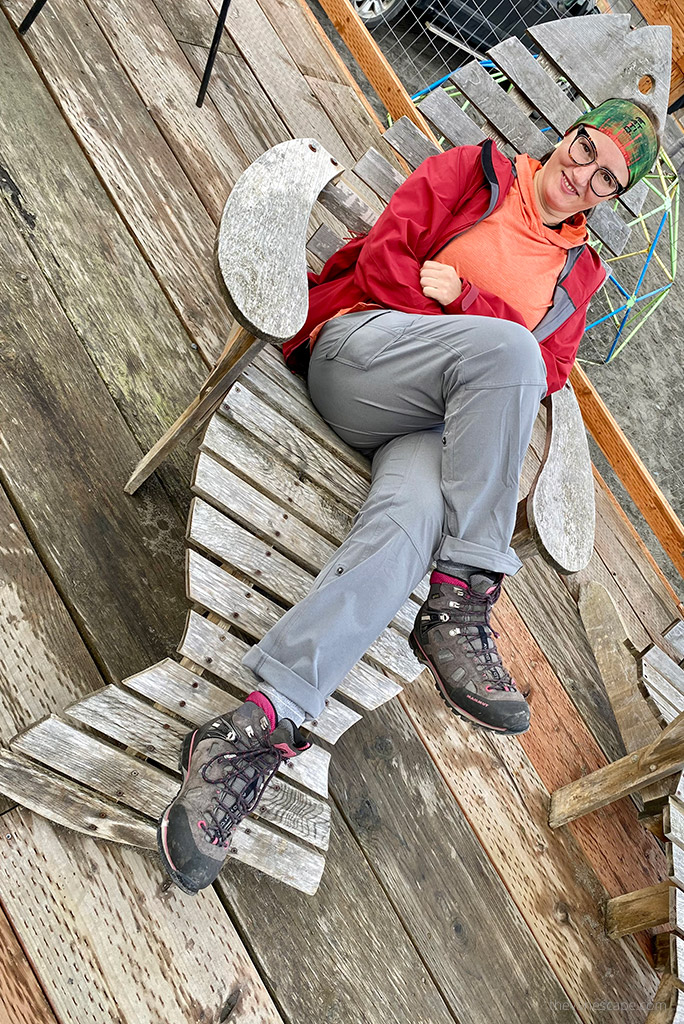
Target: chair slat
[
  {"x": 349, "y": 208},
  {"x": 447, "y": 117},
  {"x": 410, "y": 143},
  {"x": 500, "y": 110},
  {"x": 324, "y": 243},
  {"x": 379, "y": 174},
  {"x": 238, "y": 548}
]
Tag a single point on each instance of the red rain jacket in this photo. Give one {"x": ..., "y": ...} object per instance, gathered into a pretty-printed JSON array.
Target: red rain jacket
[{"x": 446, "y": 195}]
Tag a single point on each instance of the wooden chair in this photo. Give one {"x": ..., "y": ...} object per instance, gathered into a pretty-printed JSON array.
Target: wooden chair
[
  {"x": 647, "y": 696},
  {"x": 275, "y": 489}
]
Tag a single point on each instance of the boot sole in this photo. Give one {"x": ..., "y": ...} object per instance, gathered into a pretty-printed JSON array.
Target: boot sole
[
  {"x": 184, "y": 765},
  {"x": 465, "y": 715}
]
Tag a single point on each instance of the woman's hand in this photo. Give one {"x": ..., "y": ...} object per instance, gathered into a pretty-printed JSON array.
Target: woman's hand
[{"x": 440, "y": 281}]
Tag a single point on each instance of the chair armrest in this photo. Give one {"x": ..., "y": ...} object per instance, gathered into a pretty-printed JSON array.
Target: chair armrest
[
  {"x": 560, "y": 506},
  {"x": 261, "y": 242}
]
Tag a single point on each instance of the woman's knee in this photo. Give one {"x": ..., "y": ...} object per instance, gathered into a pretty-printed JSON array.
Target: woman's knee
[{"x": 516, "y": 354}]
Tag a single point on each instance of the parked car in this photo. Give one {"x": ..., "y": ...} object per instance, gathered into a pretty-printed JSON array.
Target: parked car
[{"x": 478, "y": 26}]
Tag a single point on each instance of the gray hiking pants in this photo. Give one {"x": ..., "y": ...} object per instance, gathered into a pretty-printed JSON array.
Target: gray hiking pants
[{"x": 446, "y": 405}]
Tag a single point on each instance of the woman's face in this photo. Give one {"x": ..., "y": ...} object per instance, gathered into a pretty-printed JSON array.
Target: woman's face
[{"x": 562, "y": 187}]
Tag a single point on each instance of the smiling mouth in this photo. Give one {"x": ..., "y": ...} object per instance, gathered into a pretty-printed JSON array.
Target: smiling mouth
[{"x": 570, "y": 189}]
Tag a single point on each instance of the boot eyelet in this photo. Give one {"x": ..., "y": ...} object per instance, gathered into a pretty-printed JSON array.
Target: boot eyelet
[
  {"x": 443, "y": 617},
  {"x": 453, "y": 632}
]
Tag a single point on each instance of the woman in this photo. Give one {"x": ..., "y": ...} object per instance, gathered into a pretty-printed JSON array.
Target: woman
[{"x": 430, "y": 343}]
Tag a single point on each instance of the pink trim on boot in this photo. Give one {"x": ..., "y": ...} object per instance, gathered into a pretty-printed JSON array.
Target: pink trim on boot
[{"x": 262, "y": 701}]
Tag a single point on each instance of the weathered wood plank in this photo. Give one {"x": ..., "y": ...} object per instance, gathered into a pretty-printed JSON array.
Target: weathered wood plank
[
  {"x": 378, "y": 174},
  {"x": 196, "y": 700},
  {"x": 548, "y": 876},
  {"x": 348, "y": 207},
  {"x": 504, "y": 115},
  {"x": 410, "y": 142},
  {"x": 215, "y": 533},
  {"x": 550, "y": 614},
  {"x": 220, "y": 487},
  {"x": 122, "y": 717},
  {"x": 635, "y": 911},
  {"x": 324, "y": 243},
  {"x": 560, "y": 508},
  {"x": 234, "y": 91},
  {"x": 172, "y": 227},
  {"x": 264, "y": 379},
  {"x": 378, "y": 778},
  {"x": 94, "y": 267},
  {"x": 574, "y": 754},
  {"x": 115, "y": 562},
  {"x": 202, "y": 642},
  {"x": 70, "y": 804},
  {"x": 23, "y": 1000},
  {"x": 667, "y": 668},
  {"x": 605, "y": 57},
  {"x": 371, "y": 972},
  {"x": 259, "y": 464},
  {"x": 450, "y": 121},
  {"x": 656, "y": 760},
  {"x": 94, "y": 915},
  {"x": 663, "y": 692},
  {"x": 295, "y": 446},
  {"x": 43, "y": 661},
  {"x": 619, "y": 671}
]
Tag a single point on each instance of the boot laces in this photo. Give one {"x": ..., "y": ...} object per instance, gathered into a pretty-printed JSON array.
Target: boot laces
[
  {"x": 488, "y": 658},
  {"x": 255, "y": 769}
]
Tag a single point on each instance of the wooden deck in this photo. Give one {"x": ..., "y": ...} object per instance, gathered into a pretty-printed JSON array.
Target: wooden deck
[{"x": 446, "y": 896}]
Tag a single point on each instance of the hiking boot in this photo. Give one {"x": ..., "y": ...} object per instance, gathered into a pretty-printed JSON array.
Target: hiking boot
[
  {"x": 226, "y": 765},
  {"x": 453, "y": 637}
]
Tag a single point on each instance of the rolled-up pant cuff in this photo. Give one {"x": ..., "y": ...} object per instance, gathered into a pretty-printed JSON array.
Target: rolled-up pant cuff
[
  {"x": 453, "y": 551},
  {"x": 285, "y": 681}
]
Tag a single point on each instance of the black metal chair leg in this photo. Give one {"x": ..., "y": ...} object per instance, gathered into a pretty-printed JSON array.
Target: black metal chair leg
[
  {"x": 31, "y": 16},
  {"x": 213, "y": 50}
]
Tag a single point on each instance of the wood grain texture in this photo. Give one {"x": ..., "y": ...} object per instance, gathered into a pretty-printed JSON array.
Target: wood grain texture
[
  {"x": 220, "y": 536},
  {"x": 22, "y": 1000},
  {"x": 115, "y": 562},
  {"x": 262, "y": 237},
  {"x": 573, "y": 754},
  {"x": 657, "y": 760},
  {"x": 646, "y": 494},
  {"x": 95, "y": 269},
  {"x": 608, "y": 637},
  {"x": 438, "y": 877},
  {"x": 410, "y": 142},
  {"x": 605, "y": 57},
  {"x": 550, "y": 879},
  {"x": 503, "y": 114},
  {"x": 92, "y": 915},
  {"x": 353, "y": 961},
  {"x": 219, "y": 592},
  {"x": 72, "y": 805},
  {"x": 450, "y": 121},
  {"x": 635, "y": 911},
  {"x": 130, "y": 155},
  {"x": 202, "y": 643},
  {"x": 560, "y": 506}
]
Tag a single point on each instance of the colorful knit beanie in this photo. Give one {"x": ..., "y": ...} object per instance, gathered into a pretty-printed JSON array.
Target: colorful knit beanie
[{"x": 630, "y": 128}]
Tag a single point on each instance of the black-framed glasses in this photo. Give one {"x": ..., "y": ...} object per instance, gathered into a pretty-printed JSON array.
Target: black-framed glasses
[{"x": 583, "y": 151}]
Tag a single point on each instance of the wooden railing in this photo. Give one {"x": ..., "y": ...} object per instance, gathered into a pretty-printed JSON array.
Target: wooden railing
[{"x": 628, "y": 467}]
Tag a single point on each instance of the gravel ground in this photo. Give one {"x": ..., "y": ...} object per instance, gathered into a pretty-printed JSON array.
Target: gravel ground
[{"x": 643, "y": 386}]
